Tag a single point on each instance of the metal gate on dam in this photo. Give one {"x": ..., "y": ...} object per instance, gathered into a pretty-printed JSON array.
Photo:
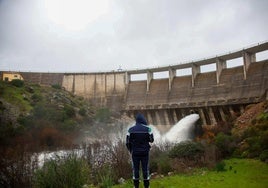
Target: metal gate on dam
[{"x": 214, "y": 95}]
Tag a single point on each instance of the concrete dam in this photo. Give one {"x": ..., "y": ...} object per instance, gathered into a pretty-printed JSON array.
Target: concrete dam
[{"x": 215, "y": 96}]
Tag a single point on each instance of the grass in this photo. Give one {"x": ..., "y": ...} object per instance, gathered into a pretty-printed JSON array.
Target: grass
[
  {"x": 14, "y": 95},
  {"x": 239, "y": 173}
]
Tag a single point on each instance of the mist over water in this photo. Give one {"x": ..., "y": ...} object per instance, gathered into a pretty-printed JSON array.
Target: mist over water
[{"x": 181, "y": 131}]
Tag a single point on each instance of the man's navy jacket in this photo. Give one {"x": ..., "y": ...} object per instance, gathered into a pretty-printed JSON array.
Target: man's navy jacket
[{"x": 139, "y": 136}]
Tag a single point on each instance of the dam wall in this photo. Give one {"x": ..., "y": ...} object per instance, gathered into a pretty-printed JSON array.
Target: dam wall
[
  {"x": 216, "y": 95},
  {"x": 215, "y": 102},
  {"x": 231, "y": 89},
  {"x": 42, "y": 78},
  {"x": 102, "y": 89}
]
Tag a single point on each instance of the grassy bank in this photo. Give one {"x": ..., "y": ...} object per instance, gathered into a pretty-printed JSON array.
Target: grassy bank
[{"x": 238, "y": 173}]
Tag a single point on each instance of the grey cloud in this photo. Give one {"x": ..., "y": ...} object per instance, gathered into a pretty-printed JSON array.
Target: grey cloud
[{"x": 135, "y": 34}]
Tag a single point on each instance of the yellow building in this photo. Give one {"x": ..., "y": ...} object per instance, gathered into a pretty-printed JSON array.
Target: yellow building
[{"x": 9, "y": 76}]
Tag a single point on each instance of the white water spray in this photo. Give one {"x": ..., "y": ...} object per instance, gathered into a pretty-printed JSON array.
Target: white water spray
[{"x": 181, "y": 131}]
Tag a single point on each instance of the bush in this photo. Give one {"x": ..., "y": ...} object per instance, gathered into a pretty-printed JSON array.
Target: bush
[
  {"x": 220, "y": 166},
  {"x": 255, "y": 146},
  {"x": 36, "y": 97},
  {"x": 17, "y": 83},
  {"x": 2, "y": 89},
  {"x": 160, "y": 161},
  {"x": 16, "y": 167},
  {"x": 264, "y": 155},
  {"x": 7, "y": 133},
  {"x": 163, "y": 164},
  {"x": 82, "y": 111},
  {"x": 69, "y": 125},
  {"x": 56, "y": 86},
  {"x": 69, "y": 111},
  {"x": 255, "y": 139},
  {"x": 225, "y": 144},
  {"x": 68, "y": 171},
  {"x": 105, "y": 176},
  {"x": 2, "y": 106},
  {"x": 120, "y": 161},
  {"x": 262, "y": 118},
  {"x": 186, "y": 149},
  {"x": 103, "y": 115},
  {"x": 49, "y": 113}
]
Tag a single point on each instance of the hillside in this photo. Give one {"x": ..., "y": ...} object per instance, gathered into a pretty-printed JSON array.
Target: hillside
[
  {"x": 46, "y": 115},
  {"x": 251, "y": 132}
]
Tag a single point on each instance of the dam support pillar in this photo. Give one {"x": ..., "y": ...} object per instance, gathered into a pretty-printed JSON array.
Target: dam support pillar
[
  {"x": 195, "y": 71},
  {"x": 149, "y": 117},
  {"x": 223, "y": 116},
  {"x": 166, "y": 118},
  {"x": 127, "y": 78},
  {"x": 171, "y": 119},
  {"x": 248, "y": 58},
  {"x": 158, "y": 117},
  {"x": 149, "y": 79},
  {"x": 174, "y": 116},
  {"x": 73, "y": 88},
  {"x": 220, "y": 64},
  {"x": 178, "y": 114},
  {"x": 202, "y": 116},
  {"x": 211, "y": 116},
  {"x": 153, "y": 115},
  {"x": 172, "y": 74}
]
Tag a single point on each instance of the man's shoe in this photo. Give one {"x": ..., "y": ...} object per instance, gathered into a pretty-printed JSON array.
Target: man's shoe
[
  {"x": 146, "y": 183},
  {"x": 136, "y": 183}
]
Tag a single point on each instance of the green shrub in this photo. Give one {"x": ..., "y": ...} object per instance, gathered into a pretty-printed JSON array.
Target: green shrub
[
  {"x": 186, "y": 149},
  {"x": 255, "y": 146},
  {"x": 82, "y": 111},
  {"x": 250, "y": 132},
  {"x": 264, "y": 155},
  {"x": 103, "y": 115},
  {"x": 262, "y": 117},
  {"x": 48, "y": 112},
  {"x": 69, "y": 125},
  {"x": 36, "y": 97},
  {"x": 160, "y": 161},
  {"x": 2, "y": 106},
  {"x": 220, "y": 166},
  {"x": 69, "y": 111},
  {"x": 17, "y": 82},
  {"x": 7, "y": 132},
  {"x": 105, "y": 176},
  {"x": 163, "y": 164},
  {"x": 225, "y": 143},
  {"x": 2, "y": 89},
  {"x": 255, "y": 139},
  {"x": 56, "y": 86},
  {"x": 68, "y": 171},
  {"x": 264, "y": 140}
]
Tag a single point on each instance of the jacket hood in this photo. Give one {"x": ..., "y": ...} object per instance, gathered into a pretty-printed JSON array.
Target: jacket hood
[{"x": 141, "y": 119}]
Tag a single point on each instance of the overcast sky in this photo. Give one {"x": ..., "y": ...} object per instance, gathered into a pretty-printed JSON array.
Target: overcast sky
[{"x": 103, "y": 35}]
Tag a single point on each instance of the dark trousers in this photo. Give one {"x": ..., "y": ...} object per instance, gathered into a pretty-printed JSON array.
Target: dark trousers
[{"x": 142, "y": 159}]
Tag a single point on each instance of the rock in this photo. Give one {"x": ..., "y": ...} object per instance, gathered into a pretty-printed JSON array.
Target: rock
[{"x": 121, "y": 180}]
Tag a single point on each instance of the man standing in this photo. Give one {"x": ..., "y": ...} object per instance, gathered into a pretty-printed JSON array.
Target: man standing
[{"x": 137, "y": 141}]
